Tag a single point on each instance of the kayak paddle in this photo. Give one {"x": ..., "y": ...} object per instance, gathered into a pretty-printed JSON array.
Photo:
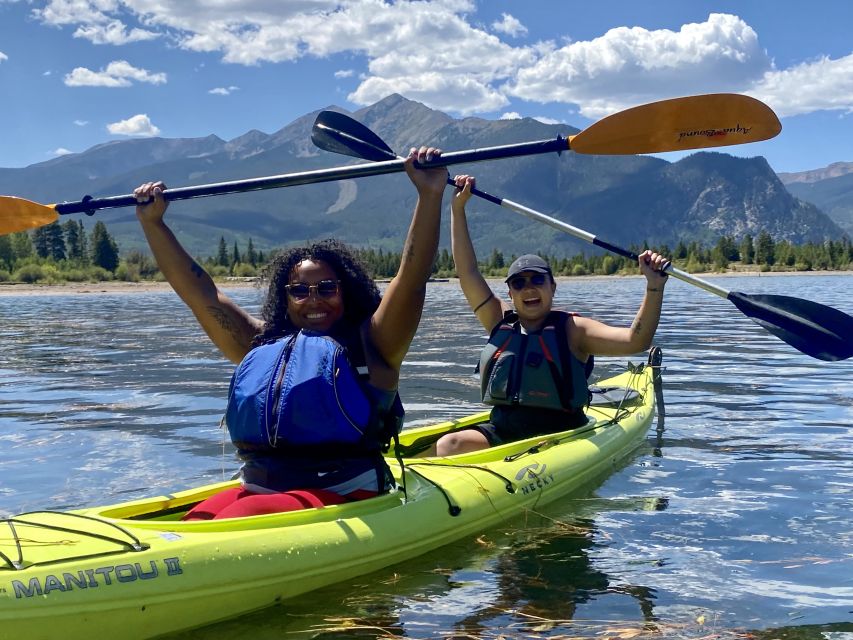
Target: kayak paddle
[
  {"x": 817, "y": 330},
  {"x": 693, "y": 122}
]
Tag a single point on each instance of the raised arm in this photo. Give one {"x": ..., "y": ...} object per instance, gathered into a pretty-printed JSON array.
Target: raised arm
[
  {"x": 228, "y": 326},
  {"x": 597, "y": 338},
  {"x": 482, "y": 300},
  {"x": 395, "y": 322}
]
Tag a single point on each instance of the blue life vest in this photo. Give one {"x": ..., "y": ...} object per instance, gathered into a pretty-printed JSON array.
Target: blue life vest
[{"x": 304, "y": 392}]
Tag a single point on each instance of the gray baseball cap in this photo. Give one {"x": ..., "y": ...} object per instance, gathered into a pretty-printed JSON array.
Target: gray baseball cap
[{"x": 527, "y": 262}]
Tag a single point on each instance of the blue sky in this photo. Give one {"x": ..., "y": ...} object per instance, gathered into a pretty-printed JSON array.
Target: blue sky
[{"x": 75, "y": 73}]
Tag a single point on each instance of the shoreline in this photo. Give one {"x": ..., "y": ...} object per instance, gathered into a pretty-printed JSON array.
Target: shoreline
[{"x": 116, "y": 287}]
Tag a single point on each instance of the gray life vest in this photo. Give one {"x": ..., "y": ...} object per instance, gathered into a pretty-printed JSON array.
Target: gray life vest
[{"x": 535, "y": 370}]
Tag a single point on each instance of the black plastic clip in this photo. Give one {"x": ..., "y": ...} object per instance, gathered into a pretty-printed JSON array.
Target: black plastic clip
[{"x": 88, "y": 212}]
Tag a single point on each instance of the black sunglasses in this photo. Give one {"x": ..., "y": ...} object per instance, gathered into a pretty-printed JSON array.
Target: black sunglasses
[
  {"x": 300, "y": 291},
  {"x": 519, "y": 282}
]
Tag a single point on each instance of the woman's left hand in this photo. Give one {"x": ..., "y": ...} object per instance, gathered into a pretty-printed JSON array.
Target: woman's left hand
[{"x": 652, "y": 265}]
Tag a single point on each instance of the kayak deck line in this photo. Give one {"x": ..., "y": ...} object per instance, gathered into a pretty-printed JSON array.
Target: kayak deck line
[
  {"x": 190, "y": 574},
  {"x": 130, "y": 544}
]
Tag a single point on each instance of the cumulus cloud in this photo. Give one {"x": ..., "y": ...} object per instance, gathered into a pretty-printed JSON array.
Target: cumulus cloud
[
  {"x": 224, "y": 91},
  {"x": 810, "y": 86},
  {"x": 113, "y": 32},
  {"x": 138, "y": 126},
  {"x": 511, "y": 115},
  {"x": 509, "y": 25},
  {"x": 3, "y": 56},
  {"x": 627, "y": 66},
  {"x": 435, "y": 53},
  {"x": 61, "y": 151},
  {"x": 94, "y": 21},
  {"x": 404, "y": 42},
  {"x": 119, "y": 73},
  {"x": 81, "y": 123}
]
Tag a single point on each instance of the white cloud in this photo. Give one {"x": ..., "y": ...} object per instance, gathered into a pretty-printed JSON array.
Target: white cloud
[
  {"x": 628, "y": 66},
  {"x": 94, "y": 20},
  {"x": 433, "y": 52},
  {"x": 139, "y": 126},
  {"x": 446, "y": 92},
  {"x": 3, "y": 56},
  {"x": 81, "y": 123},
  {"x": 118, "y": 73},
  {"x": 47, "y": 73},
  {"x": 224, "y": 91},
  {"x": 514, "y": 115},
  {"x": 61, "y": 151},
  {"x": 113, "y": 32},
  {"x": 509, "y": 25},
  {"x": 391, "y": 36},
  {"x": 807, "y": 87}
]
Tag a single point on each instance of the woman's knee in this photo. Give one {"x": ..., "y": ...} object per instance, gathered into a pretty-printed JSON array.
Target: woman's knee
[{"x": 461, "y": 442}]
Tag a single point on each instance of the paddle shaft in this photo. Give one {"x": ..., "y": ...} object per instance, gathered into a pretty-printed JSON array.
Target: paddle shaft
[
  {"x": 378, "y": 149},
  {"x": 590, "y": 238},
  {"x": 814, "y": 329},
  {"x": 88, "y": 205}
]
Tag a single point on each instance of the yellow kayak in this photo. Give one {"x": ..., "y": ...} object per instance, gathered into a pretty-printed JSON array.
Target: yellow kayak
[{"x": 135, "y": 570}]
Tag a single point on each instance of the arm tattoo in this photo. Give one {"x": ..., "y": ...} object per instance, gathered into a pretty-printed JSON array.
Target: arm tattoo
[
  {"x": 409, "y": 249},
  {"x": 480, "y": 306},
  {"x": 638, "y": 327},
  {"x": 223, "y": 321},
  {"x": 197, "y": 270}
]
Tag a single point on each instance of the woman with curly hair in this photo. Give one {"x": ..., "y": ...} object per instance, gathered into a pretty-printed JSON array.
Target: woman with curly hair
[{"x": 327, "y": 345}]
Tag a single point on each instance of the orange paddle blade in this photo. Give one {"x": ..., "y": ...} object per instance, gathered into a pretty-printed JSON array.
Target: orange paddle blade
[
  {"x": 679, "y": 124},
  {"x": 17, "y": 214}
]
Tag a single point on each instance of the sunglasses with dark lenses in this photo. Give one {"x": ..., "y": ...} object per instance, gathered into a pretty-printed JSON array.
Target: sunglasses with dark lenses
[
  {"x": 300, "y": 291},
  {"x": 537, "y": 280}
]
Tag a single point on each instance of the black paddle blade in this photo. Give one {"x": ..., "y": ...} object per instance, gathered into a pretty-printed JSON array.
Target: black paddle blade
[
  {"x": 815, "y": 329},
  {"x": 339, "y": 133}
]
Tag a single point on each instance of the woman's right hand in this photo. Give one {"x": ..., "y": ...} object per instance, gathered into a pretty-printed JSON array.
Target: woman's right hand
[
  {"x": 152, "y": 205},
  {"x": 462, "y": 195},
  {"x": 428, "y": 181}
]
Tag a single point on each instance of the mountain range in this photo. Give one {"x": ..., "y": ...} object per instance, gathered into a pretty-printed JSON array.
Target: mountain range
[
  {"x": 622, "y": 199},
  {"x": 830, "y": 188}
]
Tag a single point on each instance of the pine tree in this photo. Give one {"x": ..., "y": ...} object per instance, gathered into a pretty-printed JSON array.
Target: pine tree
[
  {"x": 22, "y": 245},
  {"x": 251, "y": 257},
  {"x": 721, "y": 253},
  {"x": 747, "y": 250},
  {"x": 222, "y": 253},
  {"x": 41, "y": 243},
  {"x": 104, "y": 251},
  {"x": 235, "y": 255},
  {"x": 7, "y": 254},
  {"x": 55, "y": 241},
  {"x": 73, "y": 241},
  {"x": 764, "y": 249},
  {"x": 84, "y": 243}
]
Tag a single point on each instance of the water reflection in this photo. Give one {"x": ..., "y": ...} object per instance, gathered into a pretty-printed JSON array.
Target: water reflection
[{"x": 736, "y": 513}]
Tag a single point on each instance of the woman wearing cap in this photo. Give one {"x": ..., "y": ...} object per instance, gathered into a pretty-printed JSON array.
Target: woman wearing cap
[{"x": 534, "y": 367}]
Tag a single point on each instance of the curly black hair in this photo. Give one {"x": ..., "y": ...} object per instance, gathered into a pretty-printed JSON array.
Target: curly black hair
[{"x": 360, "y": 294}]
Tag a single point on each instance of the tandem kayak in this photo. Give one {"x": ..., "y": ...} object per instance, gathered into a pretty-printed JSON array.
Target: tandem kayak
[{"x": 135, "y": 570}]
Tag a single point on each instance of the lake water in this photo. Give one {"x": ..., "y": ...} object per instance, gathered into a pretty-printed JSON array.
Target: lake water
[{"x": 734, "y": 517}]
